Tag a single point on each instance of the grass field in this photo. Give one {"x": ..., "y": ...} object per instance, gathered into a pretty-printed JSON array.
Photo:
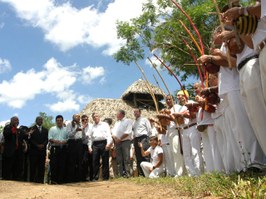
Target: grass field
[{"x": 245, "y": 185}]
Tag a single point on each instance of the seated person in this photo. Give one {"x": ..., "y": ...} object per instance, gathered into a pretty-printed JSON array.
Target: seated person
[{"x": 154, "y": 168}]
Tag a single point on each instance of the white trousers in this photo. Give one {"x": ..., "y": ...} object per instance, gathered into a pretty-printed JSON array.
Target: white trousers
[
  {"x": 168, "y": 160},
  {"x": 251, "y": 94},
  {"x": 249, "y": 146},
  {"x": 191, "y": 151},
  {"x": 221, "y": 140},
  {"x": 262, "y": 63},
  {"x": 216, "y": 155},
  {"x": 207, "y": 151},
  {"x": 175, "y": 150},
  {"x": 147, "y": 166},
  {"x": 232, "y": 149},
  {"x": 211, "y": 152}
]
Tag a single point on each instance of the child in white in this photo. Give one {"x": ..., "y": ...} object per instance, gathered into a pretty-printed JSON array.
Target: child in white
[{"x": 154, "y": 168}]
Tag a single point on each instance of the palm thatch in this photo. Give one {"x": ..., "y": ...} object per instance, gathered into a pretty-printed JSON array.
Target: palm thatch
[
  {"x": 136, "y": 96},
  {"x": 107, "y": 108},
  {"x": 139, "y": 94}
]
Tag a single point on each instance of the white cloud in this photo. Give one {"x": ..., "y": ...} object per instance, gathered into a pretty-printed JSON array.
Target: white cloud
[
  {"x": 68, "y": 27},
  {"x": 90, "y": 73},
  {"x": 64, "y": 106},
  {"x": 5, "y": 65},
  {"x": 155, "y": 62},
  {"x": 3, "y": 123},
  {"x": 54, "y": 79}
]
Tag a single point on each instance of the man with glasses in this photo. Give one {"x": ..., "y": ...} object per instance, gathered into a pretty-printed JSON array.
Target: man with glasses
[{"x": 87, "y": 172}]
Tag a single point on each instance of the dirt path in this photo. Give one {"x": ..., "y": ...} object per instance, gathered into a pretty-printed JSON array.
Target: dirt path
[{"x": 103, "y": 190}]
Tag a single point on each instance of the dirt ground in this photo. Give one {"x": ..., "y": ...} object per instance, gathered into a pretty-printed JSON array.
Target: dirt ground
[{"x": 102, "y": 189}]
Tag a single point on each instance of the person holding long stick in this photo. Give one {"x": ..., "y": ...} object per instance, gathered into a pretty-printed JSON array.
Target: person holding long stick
[
  {"x": 174, "y": 137},
  {"x": 191, "y": 138}
]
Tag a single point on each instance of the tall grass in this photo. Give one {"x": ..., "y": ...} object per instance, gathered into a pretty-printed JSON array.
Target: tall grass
[{"x": 245, "y": 185}]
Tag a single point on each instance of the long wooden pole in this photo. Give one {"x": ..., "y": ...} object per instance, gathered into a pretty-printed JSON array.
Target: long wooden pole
[
  {"x": 165, "y": 85},
  {"x": 167, "y": 67},
  {"x": 149, "y": 87}
]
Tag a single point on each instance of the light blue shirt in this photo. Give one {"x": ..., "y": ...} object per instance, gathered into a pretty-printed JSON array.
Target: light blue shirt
[{"x": 59, "y": 134}]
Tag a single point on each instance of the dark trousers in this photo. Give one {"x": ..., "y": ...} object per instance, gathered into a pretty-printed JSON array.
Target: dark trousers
[
  {"x": 145, "y": 143},
  {"x": 123, "y": 158},
  {"x": 99, "y": 151},
  {"x": 58, "y": 164},
  {"x": 74, "y": 160},
  {"x": 37, "y": 165},
  {"x": 12, "y": 166},
  {"x": 87, "y": 172}
]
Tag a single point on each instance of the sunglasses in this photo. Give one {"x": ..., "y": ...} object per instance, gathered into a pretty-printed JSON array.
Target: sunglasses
[{"x": 84, "y": 120}]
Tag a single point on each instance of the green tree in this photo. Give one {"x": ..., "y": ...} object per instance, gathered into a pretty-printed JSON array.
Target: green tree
[
  {"x": 1, "y": 129},
  {"x": 47, "y": 120},
  {"x": 159, "y": 27}
]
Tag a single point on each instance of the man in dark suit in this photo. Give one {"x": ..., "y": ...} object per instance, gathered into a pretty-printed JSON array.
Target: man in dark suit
[
  {"x": 38, "y": 141},
  {"x": 13, "y": 151}
]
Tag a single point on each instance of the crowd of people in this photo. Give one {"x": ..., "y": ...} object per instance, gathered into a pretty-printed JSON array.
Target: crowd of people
[{"x": 221, "y": 130}]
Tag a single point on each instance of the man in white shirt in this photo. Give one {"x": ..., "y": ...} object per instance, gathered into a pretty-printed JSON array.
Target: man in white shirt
[
  {"x": 154, "y": 168},
  {"x": 100, "y": 141},
  {"x": 74, "y": 156},
  {"x": 141, "y": 132},
  {"x": 258, "y": 44},
  {"x": 191, "y": 138},
  {"x": 121, "y": 134},
  {"x": 87, "y": 172},
  {"x": 174, "y": 159}
]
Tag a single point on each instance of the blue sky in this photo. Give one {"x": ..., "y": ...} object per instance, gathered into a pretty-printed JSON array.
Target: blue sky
[{"x": 56, "y": 56}]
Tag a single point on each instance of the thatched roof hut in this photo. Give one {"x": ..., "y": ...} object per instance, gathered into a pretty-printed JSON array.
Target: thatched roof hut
[
  {"x": 107, "y": 108},
  {"x": 136, "y": 96}
]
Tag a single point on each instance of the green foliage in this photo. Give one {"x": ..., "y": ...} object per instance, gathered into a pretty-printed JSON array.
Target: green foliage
[
  {"x": 47, "y": 120},
  {"x": 159, "y": 28}
]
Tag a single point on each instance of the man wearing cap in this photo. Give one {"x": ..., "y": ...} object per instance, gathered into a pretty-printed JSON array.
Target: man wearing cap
[{"x": 191, "y": 138}]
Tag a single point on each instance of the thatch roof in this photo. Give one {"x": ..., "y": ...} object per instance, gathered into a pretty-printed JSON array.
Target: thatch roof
[
  {"x": 136, "y": 96},
  {"x": 107, "y": 108},
  {"x": 139, "y": 94}
]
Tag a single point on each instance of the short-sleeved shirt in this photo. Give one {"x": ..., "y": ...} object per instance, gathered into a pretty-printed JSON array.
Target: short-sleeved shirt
[
  {"x": 123, "y": 127},
  {"x": 59, "y": 134},
  {"x": 141, "y": 126},
  {"x": 100, "y": 132},
  {"x": 155, "y": 154},
  {"x": 228, "y": 78},
  {"x": 175, "y": 109},
  {"x": 72, "y": 132}
]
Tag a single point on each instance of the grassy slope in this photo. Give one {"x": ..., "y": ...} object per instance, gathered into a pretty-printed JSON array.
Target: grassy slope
[{"x": 245, "y": 185}]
